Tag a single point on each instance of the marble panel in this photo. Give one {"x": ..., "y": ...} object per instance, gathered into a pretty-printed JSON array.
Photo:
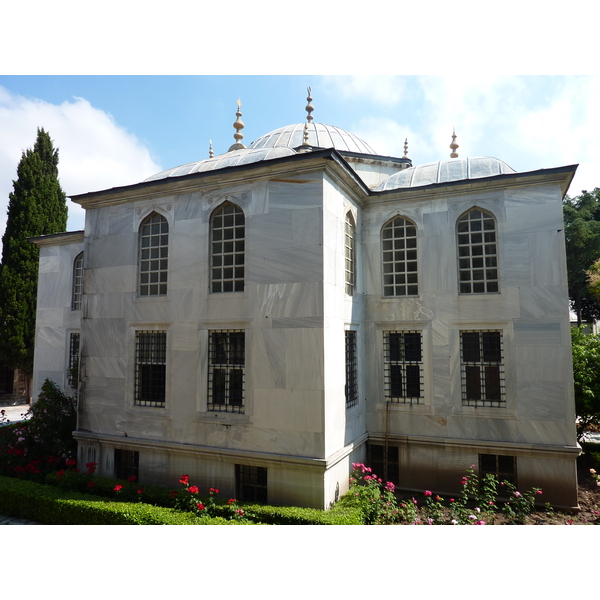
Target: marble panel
[
  {"x": 437, "y": 264},
  {"x": 436, "y": 223},
  {"x": 304, "y": 351},
  {"x": 265, "y": 233},
  {"x": 284, "y": 300},
  {"x": 548, "y": 265},
  {"x": 289, "y": 410},
  {"x": 542, "y": 363},
  {"x": 270, "y": 368},
  {"x": 544, "y": 302},
  {"x": 542, "y": 401},
  {"x": 111, "y": 367},
  {"x": 51, "y": 317},
  {"x": 533, "y": 209},
  {"x": 296, "y": 323},
  {"x": 307, "y": 227},
  {"x": 188, "y": 207},
  {"x": 49, "y": 263},
  {"x": 465, "y": 427},
  {"x": 105, "y": 306},
  {"x": 105, "y": 337},
  {"x": 112, "y": 251},
  {"x": 120, "y": 220},
  {"x": 478, "y": 308},
  {"x": 515, "y": 262},
  {"x": 287, "y": 265},
  {"x": 296, "y": 195},
  {"x": 537, "y": 332},
  {"x": 185, "y": 337},
  {"x": 546, "y": 432},
  {"x": 111, "y": 279}
]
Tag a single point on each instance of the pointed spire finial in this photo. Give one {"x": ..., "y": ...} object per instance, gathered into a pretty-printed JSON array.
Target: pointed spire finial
[
  {"x": 405, "y": 148},
  {"x": 238, "y": 126},
  {"x": 210, "y": 150},
  {"x": 453, "y": 145},
  {"x": 306, "y": 147}
]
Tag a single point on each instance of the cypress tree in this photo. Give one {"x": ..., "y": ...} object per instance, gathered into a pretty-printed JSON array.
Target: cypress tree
[{"x": 37, "y": 206}]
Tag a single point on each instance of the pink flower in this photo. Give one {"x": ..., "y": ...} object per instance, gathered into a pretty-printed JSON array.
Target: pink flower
[
  {"x": 427, "y": 493},
  {"x": 389, "y": 486},
  {"x": 593, "y": 471},
  {"x": 539, "y": 492},
  {"x": 517, "y": 494}
]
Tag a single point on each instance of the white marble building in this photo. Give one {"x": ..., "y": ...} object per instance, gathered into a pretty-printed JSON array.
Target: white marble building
[{"x": 261, "y": 319}]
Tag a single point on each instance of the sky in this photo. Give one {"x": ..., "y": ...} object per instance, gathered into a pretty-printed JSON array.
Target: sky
[{"x": 118, "y": 130}]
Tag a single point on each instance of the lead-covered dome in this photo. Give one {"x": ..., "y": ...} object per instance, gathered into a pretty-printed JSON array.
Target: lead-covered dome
[
  {"x": 234, "y": 158},
  {"x": 319, "y": 135},
  {"x": 444, "y": 171}
]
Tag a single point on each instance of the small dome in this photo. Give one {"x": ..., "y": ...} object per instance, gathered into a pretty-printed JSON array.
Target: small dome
[
  {"x": 319, "y": 135},
  {"x": 235, "y": 158},
  {"x": 443, "y": 171}
]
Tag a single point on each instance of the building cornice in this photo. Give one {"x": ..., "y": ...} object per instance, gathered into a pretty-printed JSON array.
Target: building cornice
[{"x": 58, "y": 239}]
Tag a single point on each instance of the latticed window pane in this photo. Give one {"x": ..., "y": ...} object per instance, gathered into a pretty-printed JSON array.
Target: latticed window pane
[
  {"x": 150, "y": 368},
  {"x": 227, "y": 249},
  {"x": 403, "y": 366},
  {"x": 127, "y": 463},
  {"x": 226, "y": 367},
  {"x": 350, "y": 250},
  {"x": 482, "y": 368},
  {"x": 351, "y": 370},
  {"x": 73, "y": 370},
  {"x": 477, "y": 253},
  {"x": 251, "y": 483},
  {"x": 77, "y": 282},
  {"x": 503, "y": 468},
  {"x": 154, "y": 255},
  {"x": 399, "y": 258}
]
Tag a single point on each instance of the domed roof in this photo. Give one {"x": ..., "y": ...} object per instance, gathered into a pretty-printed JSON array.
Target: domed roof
[
  {"x": 234, "y": 158},
  {"x": 443, "y": 171},
  {"x": 319, "y": 135}
]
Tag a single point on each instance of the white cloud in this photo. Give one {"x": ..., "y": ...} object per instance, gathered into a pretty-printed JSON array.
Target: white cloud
[
  {"x": 95, "y": 152},
  {"x": 386, "y": 90}
]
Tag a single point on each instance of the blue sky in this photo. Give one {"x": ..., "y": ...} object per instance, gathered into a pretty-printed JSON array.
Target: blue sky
[{"x": 118, "y": 130}]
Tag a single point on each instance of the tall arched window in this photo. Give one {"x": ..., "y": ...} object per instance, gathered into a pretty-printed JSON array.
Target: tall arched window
[
  {"x": 350, "y": 244},
  {"x": 227, "y": 249},
  {"x": 477, "y": 253},
  {"x": 399, "y": 258},
  {"x": 154, "y": 255},
  {"x": 77, "y": 291}
]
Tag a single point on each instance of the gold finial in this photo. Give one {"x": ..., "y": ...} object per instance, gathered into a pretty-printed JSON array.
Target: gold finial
[
  {"x": 238, "y": 126},
  {"x": 210, "y": 150},
  {"x": 306, "y": 147},
  {"x": 405, "y": 148},
  {"x": 453, "y": 145}
]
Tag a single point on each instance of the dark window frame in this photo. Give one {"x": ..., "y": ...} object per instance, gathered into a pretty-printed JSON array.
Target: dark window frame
[
  {"x": 403, "y": 366},
  {"x": 350, "y": 253},
  {"x": 227, "y": 249},
  {"x": 74, "y": 355},
  {"x": 226, "y": 370},
  {"x": 77, "y": 290},
  {"x": 502, "y": 467},
  {"x": 153, "y": 258},
  {"x": 351, "y": 387},
  {"x": 150, "y": 368},
  {"x": 399, "y": 258},
  {"x": 251, "y": 483}
]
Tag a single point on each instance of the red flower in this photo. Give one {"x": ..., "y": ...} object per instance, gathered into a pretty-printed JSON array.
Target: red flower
[
  {"x": 193, "y": 489},
  {"x": 131, "y": 478},
  {"x": 90, "y": 484},
  {"x": 231, "y": 501},
  {"x": 118, "y": 487},
  {"x": 199, "y": 506},
  {"x": 174, "y": 493},
  {"x": 91, "y": 467},
  {"x": 140, "y": 491},
  {"x": 185, "y": 479},
  {"x": 71, "y": 462},
  {"x": 213, "y": 491}
]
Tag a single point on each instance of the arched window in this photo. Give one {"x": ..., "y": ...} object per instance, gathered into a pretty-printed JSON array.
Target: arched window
[
  {"x": 77, "y": 291},
  {"x": 227, "y": 249},
  {"x": 399, "y": 258},
  {"x": 477, "y": 253},
  {"x": 350, "y": 243},
  {"x": 154, "y": 255}
]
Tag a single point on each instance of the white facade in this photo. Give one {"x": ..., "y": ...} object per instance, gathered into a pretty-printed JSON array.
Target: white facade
[{"x": 288, "y": 434}]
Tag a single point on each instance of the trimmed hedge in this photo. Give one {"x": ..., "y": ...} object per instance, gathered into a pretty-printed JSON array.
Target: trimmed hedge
[{"x": 48, "y": 505}]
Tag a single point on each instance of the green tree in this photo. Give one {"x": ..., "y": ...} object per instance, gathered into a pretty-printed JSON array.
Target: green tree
[
  {"x": 37, "y": 206},
  {"x": 586, "y": 378},
  {"x": 582, "y": 236}
]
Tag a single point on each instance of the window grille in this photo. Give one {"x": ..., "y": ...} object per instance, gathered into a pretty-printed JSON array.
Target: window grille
[
  {"x": 127, "y": 463},
  {"x": 388, "y": 470},
  {"x": 399, "y": 258},
  {"x": 227, "y": 249},
  {"x": 226, "y": 365},
  {"x": 154, "y": 255},
  {"x": 350, "y": 249},
  {"x": 77, "y": 283},
  {"x": 150, "y": 368},
  {"x": 73, "y": 367},
  {"x": 403, "y": 366},
  {"x": 504, "y": 468},
  {"x": 477, "y": 253},
  {"x": 351, "y": 370},
  {"x": 482, "y": 368},
  {"x": 251, "y": 483}
]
